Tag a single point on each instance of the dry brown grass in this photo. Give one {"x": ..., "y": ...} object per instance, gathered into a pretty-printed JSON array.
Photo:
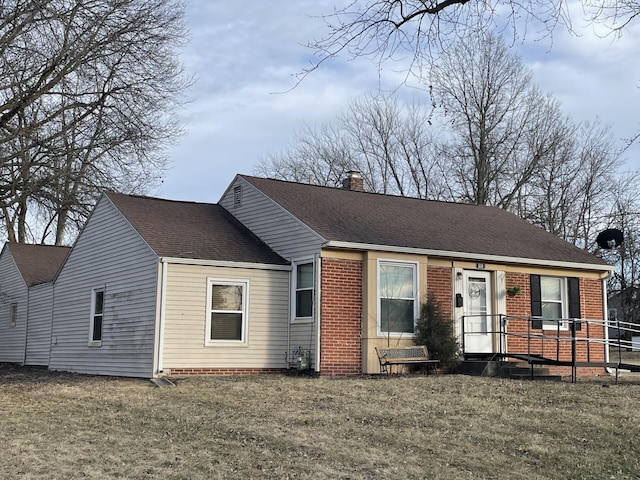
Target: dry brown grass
[{"x": 63, "y": 426}]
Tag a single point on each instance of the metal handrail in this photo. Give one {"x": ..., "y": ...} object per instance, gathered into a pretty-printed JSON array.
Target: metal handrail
[{"x": 561, "y": 335}]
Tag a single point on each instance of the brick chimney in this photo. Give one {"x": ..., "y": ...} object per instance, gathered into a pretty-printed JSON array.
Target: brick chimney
[{"x": 353, "y": 181}]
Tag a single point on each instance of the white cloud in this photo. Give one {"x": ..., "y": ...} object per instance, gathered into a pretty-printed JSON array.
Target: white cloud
[
  {"x": 594, "y": 77},
  {"x": 244, "y": 55},
  {"x": 243, "y": 52}
]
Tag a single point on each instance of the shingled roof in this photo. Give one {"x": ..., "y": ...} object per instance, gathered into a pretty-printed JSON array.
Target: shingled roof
[
  {"x": 340, "y": 215},
  {"x": 192, "y": 230},
  {"x": 37, "y": 263}
]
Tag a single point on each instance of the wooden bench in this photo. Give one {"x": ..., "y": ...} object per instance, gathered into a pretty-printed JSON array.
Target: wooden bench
[{"x": 417, "y": 355}]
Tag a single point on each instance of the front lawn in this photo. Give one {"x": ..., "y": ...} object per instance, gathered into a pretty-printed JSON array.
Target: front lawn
[{"x": 63, "y": 426}]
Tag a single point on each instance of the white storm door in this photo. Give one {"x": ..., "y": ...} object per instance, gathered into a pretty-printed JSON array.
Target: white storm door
[{"x": 478, "y": 323}]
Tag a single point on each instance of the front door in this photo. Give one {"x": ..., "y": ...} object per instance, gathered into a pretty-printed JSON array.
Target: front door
[{"x": 478, "y": 324}]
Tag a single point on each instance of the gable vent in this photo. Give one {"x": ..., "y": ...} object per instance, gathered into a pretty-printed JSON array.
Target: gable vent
[{"x": 237, "y": 196}]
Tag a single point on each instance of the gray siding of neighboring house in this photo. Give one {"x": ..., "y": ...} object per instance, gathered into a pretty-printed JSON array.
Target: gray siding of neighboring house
[
  {"x": 108, "y": 254},
  {"x": 13, "y": 290},
  {"x": 186, "y": 310},
  {"x": 276, "y": 227},
  {"x": 39, "y": 324}
]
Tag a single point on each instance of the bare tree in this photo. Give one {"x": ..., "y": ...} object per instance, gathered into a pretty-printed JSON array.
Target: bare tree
[
  {"x": 502, "y": 126},
  {"x": 86, "y": 99},
  {"x": 317, "y": 156},
  {"x": 419, "y": 30},
  {"x": 489, "y": 137},
  {"x": 576, "y": 189},
  {"x": 388, "y": 142},
  {"x": 624, "y": 284},
  {"x": 392, "y": 145}
]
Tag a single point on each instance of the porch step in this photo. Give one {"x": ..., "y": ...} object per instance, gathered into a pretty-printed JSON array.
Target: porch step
[
  {"x": 546, "y": 377},
  {"x": 479, "y": 368},
  {"x": 523, "y": 371},
  {"x": 522, "y": 368},
  {"x": 513, "y": 370}
]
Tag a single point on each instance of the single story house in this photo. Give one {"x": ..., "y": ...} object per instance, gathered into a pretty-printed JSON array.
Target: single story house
[
  {"x": 624, "y": 315},
  {"x": 26, "y": 301},
  {"x": 154, "y": 286},
  {"x": 157, "y": 287},
  {"x": 370, "y": 253}
]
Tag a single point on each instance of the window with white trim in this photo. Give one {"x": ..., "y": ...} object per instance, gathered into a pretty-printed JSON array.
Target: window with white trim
[
  {"x": 97, "y": 317},
  {"x": 397, "y": 297},
  {"x": 303, "y": 288},
  {"x": 227, "y": 316},
  {"x": 554, "y": 300}
]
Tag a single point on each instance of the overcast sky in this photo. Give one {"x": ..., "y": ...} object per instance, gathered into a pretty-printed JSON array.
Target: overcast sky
[{"x": 243, "y": 53}]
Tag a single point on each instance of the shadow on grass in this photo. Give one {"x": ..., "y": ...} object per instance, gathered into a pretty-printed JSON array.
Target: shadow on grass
[{"x": 27, "y": 375}]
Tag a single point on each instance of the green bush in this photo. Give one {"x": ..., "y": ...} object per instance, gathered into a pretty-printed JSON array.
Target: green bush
[{"x": 435, "y": 331}]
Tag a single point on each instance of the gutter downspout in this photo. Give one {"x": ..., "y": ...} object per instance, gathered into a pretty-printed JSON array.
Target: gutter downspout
[
  {"x": 318, "y": 305},
  {"x": 26, "y": 327},
  {"x": 161, "y": 316},
  {"x": 290, "y": 314},
  {"x": 605, "y": 308},
  {"x": 53, "y": 309}
]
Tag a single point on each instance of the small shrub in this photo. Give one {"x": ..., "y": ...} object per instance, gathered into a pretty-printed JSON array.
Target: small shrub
[{"x": 435, "y": 331}]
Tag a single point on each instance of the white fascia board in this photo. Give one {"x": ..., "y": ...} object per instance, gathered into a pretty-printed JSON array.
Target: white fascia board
[
  {"x": 222, "y": 263},
  {"x": 468, "y": 256}
]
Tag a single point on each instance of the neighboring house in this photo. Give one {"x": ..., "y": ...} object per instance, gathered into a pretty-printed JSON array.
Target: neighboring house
[
  {"x": 624, "y": 314},
  {"x": 153, "y": 286},
  {"x": 357, "y": 256},
  {"x": 157, "y": 287},
  {"x": 26, "y": 301}
]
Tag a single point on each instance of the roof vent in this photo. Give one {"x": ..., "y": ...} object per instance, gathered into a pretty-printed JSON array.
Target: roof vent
[
  {"x": 237, "y": 196},
  {"x": 354, "y": 181}
]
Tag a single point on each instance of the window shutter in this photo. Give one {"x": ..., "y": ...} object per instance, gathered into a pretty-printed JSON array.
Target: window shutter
[
  {"x": 536, "y": 301},
  {"x": 573, "y": 287}
]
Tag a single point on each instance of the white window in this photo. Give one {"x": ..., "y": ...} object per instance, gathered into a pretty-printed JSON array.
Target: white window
[
  {"x": 13, "y": 314},
  {"x": 397, "y": 292},
  {"x": 303, "y": 288},
  {"x": 554, "y": 302},
  {"x": 227, "y": 316},
  {"x": 97, "y": 317}
]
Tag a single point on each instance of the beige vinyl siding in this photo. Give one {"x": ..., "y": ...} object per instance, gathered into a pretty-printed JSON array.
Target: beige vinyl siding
[
  {"x": 109, "y": 254},
  {"x": 39, "y": 324},
  {"x": 13, "y": 290},
  {"x": 186, "y": 310},
  {"x": 285, "y": 234},
  {"x": 276, "y": 227}
]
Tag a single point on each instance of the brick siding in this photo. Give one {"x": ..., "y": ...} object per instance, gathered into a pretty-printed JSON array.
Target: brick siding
[
  {"x": 341, "y": 311},
  {"x": 222, "y": 371},
  {"x": 590, "y": 308},
  {"x": 439, "y": 285}
]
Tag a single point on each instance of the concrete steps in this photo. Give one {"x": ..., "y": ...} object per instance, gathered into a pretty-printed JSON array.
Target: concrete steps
[
  {"x": 513, "y": 370},
  {"x": 479, "y": 368},
  {"x": 522, "y": 371}
]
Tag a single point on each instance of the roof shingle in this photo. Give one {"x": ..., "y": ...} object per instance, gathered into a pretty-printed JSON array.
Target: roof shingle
[
  {"x": 376, "y": 219},
  {"x": 192, "y": 230},
  {"x": 37, "y": 263}
]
